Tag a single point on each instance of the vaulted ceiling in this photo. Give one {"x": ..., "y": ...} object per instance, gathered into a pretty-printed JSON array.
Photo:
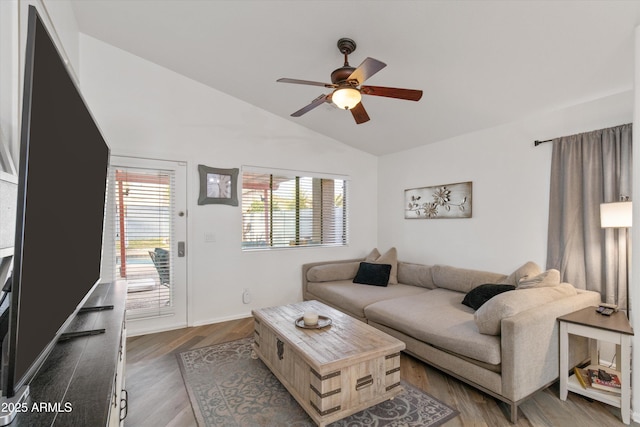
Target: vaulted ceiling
[{"x": 479, "y": 63}]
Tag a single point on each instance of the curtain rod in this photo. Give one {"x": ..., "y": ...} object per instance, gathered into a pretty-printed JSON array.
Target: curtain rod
[{"x": 536, "y": 142}]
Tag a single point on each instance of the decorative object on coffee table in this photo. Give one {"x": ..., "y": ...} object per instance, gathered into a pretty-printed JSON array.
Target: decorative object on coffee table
[
  {"x": 228, "y": 388},
  {"x": 440, "y": 201},
  {"x": 310, "y": 318},
  {"x": 218, "y": 186},
  {"x": 332, "y": 372},
  {"x": 322, "y": 322}
]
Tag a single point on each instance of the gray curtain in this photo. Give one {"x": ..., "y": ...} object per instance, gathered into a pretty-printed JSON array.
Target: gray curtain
[{"x": 586, "y": 170}]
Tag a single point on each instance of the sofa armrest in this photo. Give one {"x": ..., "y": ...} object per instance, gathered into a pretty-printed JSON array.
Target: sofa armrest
[
  {"x": 530, "y": 345},
  {"x": 307, "y": 267}
]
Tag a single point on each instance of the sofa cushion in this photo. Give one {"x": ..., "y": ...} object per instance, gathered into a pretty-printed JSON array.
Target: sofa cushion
[
  {"x": 353, "y": 297},
  {"x": 373, "y": 274},
  {"x": 548, "y": 278},
  {"x": 527, "y": 270},
  {"x": 331, "y": 272},
  {"x": 437, "y": 317},
  {"x": 489, "y": 316},
  {"x": 461, "y": 279},
  {"x": 390, "y": 257},
  {"x": 483, "y": 293},
  {"x": 415, "y": 275},
  {"x": 373, "y": 255}
]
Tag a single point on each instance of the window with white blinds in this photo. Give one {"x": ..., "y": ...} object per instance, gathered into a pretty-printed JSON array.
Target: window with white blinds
[
  {"x": 292, "y": 209},
  {"x": 139, "y": 219}
]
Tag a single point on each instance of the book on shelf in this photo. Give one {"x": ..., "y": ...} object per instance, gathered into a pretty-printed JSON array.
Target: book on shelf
[
  {"x": 603, "y": 380},
  {"x": 583, "y": 377}
]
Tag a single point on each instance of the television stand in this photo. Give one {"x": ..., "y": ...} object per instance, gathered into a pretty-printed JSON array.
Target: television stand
[
  {"x": 80, "y": 334},
  {"x": 95, "y": 308},
  {"x": 81, "y": 382}
]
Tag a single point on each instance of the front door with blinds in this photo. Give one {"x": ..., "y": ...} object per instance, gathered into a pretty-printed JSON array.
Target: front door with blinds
[{"x": 145, "y": 242}]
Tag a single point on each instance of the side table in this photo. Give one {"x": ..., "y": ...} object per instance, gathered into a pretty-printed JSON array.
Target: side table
[{"x": 597, "y": 327}]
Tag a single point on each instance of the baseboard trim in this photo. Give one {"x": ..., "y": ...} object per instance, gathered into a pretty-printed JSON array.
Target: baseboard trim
[
  {"x": 146, "y": 331},
  {"x": 220, "y": 319},
  {"x": 133, "y": 332}
]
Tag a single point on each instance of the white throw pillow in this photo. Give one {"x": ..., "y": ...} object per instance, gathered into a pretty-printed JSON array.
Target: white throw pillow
[
  {"x": 527, "y": 270},
  {"x": 542, "y": 280},
  {"x": 373, "y": 255}
]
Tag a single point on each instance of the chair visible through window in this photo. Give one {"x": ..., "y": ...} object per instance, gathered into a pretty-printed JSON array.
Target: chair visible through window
[{"x": 160, "y": 258}]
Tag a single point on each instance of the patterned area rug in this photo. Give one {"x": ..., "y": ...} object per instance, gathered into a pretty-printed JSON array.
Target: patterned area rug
[{"x": 228, "y": 388}]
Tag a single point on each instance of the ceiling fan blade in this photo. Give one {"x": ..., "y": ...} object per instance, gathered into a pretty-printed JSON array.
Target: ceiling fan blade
[
  {"x": 367, "y": 69},
  {"x": 316, "y": 102},
  {"x": 391, "y": 92},
  {"x": 359, "y": 113},
  {"x": 305, "y": 82}
]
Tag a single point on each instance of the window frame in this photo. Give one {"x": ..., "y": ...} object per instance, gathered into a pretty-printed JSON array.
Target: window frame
[{"x": 317, "y": 211}]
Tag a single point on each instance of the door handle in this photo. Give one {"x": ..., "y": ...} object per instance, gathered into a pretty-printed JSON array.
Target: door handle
[{"x": 181, "y": 251}]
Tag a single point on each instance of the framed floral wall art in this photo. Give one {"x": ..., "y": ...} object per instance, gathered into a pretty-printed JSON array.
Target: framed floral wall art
[
  {"x": 440, "y": 201},
  {"x": 218, "y": 186}
]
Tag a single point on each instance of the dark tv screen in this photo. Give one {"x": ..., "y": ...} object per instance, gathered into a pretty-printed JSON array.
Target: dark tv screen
[{"x": 60, "y": 211}]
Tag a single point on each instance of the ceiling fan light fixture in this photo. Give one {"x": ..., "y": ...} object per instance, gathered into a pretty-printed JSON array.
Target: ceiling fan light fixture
[{"x": 346, "y": 97}]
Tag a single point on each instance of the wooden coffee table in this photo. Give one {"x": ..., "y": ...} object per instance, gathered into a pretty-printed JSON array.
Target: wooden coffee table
[{"x": 334, "y": 371}]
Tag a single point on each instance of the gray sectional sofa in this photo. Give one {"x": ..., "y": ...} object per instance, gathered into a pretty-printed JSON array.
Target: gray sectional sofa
[{"x": 508, "y": 347}]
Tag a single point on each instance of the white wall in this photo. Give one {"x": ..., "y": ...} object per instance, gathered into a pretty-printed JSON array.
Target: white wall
[
  {"x": 148, "y": 111},
  {"x": 510, "y": 189}
]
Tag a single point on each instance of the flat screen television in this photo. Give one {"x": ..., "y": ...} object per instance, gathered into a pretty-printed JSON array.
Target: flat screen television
[{"x": 62, "y": 177}]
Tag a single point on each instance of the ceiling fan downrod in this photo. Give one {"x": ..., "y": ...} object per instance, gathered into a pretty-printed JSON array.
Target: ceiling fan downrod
[{"x": 346, "y": 46}]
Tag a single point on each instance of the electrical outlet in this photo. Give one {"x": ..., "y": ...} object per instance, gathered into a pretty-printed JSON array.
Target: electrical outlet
[
  {"x": 246, "y": 296},
  {"x": 209, "y": 237}
]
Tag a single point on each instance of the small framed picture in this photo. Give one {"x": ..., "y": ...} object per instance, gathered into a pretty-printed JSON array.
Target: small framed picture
[{"x": 218, "y": 186}]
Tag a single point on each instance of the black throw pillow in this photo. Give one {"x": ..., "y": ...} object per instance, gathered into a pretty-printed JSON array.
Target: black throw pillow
[
  {"x": 373, "y": 274},
  {"x": 483, "y": 293}
]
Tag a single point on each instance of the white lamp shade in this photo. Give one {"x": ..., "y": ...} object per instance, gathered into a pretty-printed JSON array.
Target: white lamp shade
[
  {"x": 616, "y": 215},
  {"x": 346, "y": 98}
]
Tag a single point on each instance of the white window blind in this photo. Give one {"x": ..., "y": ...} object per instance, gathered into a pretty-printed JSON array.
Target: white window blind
[
  {"x": 139, "y": 216},
  {"x": 291, "y": 209}
]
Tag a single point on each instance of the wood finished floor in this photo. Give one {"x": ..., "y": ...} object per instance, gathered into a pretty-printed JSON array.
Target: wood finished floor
[{"x": 157, "y": 396}]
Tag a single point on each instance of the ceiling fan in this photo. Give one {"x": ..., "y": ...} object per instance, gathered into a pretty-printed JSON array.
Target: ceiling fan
[{"x": 347, "y": 84}]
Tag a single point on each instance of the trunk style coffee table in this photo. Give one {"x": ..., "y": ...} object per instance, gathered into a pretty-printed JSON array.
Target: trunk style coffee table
[{"x": 333, "y": 371}]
